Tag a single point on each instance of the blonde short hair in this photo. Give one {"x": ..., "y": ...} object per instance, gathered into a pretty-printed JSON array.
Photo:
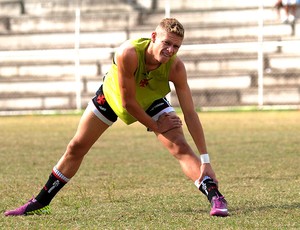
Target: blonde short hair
[{"x": 171, "y": 25}]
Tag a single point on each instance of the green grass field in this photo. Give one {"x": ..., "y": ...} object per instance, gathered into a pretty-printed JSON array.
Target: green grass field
[{"x": 129, "y": 181}]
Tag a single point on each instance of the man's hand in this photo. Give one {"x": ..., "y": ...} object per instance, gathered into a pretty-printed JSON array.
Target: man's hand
[
  {"x": 206, "y": 170},
  {"x": 167, "y": 122}
]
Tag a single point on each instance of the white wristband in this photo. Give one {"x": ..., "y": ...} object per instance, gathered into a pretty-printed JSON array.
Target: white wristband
[{"x": 204, "y": 158}]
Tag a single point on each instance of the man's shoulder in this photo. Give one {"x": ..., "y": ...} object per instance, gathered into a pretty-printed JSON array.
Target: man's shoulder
[
  {"x": 178, "y": 71},
  {"x": 177, "y": 64},
  {"x": 127, "y": 45},
  {"x": 126, "y": 49}
]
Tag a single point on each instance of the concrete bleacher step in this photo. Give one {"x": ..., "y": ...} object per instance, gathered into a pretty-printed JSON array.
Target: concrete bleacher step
[
  {"x": 59, "y": 16},
  {"x": 20, "y": 16},
  {"x": 197, "y": 81},
  {"x": 242, "y": 97},
  {"x": 212, "y": 80},
  {"x": 54, "y": 68},
  {"x": 40, "y": 93},
  {"x": 278, "y": 77},
  {"x": 95, "y": 62},
  {"x": 203, "y": 32},
  {"x": 54, "y": 63},
  {"x": 221, "y": 63},
  {"x": 48, "y": 69},
  {"x": 284, "y": 61},
  {"x": 91, "y": 21},
  {"x": 32, "y": 101},
  {"x": 35, "y": 7},
  {"x": 107, "y": 38},
  {"x": 47, "y": 85},
  {"x": 113, "y": 37},
  {"x": 196, "y": 4},
  {"x": 240, "y": 29},
  {"x": 231, "y": 39},
  {"x": 243, "y": 78},
  {"x": 214, "y": 15},
  {"x": 27, "y": 101},
  {"x": 15, "y": 101},
  {"x": 238, "y": 61},
  {"x": 11, "y": 8},
  {"x": 272, "y": 96},
  {"x": 208, "y": 89}
]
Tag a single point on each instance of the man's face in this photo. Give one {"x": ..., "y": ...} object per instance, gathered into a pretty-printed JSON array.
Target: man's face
[{"x": 165, "y": 45}]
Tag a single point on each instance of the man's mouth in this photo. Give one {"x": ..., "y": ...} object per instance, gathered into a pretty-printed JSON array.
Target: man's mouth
[{"x": 166, "y": 55}]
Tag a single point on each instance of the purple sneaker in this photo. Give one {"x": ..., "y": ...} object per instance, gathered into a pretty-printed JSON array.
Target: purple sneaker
[
  {"x": 218, "y": 206},
  {"x": 30, "y": 208}
]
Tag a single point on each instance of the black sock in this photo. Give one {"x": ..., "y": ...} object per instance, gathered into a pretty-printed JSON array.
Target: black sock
[
  {"x": 210, "y": 189},
  {"x": 50, "y": 189}
]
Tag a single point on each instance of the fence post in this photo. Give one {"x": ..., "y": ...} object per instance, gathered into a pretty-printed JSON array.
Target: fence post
[
  {"x": 167, "y": 15},
  {"x": 167, "y": 9},
  {"x": 260, "y": 55},
  {"x": 77, "y": 58}
]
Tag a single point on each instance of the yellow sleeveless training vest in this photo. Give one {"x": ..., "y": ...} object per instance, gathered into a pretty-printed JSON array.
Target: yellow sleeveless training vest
[{"x": 149, "y": 86}]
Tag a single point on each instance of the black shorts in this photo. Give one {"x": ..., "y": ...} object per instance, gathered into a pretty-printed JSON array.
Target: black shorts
[{"x": 104, "y": 112}]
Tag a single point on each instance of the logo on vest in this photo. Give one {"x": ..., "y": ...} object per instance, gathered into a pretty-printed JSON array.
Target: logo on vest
[{"x": 144, "y": 82}]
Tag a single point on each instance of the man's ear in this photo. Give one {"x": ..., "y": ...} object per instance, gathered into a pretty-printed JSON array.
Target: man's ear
[{"x": 153, "y": 36}]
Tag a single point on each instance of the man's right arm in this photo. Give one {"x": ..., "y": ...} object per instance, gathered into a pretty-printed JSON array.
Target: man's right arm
[{"x": 127, "y": 62}]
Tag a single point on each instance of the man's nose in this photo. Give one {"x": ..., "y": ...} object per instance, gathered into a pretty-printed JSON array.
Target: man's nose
[{"x": 171, "y": 49}]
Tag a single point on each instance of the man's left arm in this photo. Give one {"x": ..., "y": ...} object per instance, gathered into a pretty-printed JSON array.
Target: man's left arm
[{"x": 178, "y": 76}]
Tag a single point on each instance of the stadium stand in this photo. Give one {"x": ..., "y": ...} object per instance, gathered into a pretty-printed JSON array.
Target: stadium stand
[{"x": 37, "y": 55}]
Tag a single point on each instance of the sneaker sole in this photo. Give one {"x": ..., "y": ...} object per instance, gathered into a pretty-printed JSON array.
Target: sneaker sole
[
  {"x": 219, "y": 213},
  {"x": 42, "y": 211}
]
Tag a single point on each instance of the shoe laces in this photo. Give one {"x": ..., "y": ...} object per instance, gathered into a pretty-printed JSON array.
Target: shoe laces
[{"x": 219, "y": 201}]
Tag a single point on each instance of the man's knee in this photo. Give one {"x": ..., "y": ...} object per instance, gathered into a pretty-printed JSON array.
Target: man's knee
[
  {"x": 77, "y": 148},
  {"x": 179, "y": 147}
]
